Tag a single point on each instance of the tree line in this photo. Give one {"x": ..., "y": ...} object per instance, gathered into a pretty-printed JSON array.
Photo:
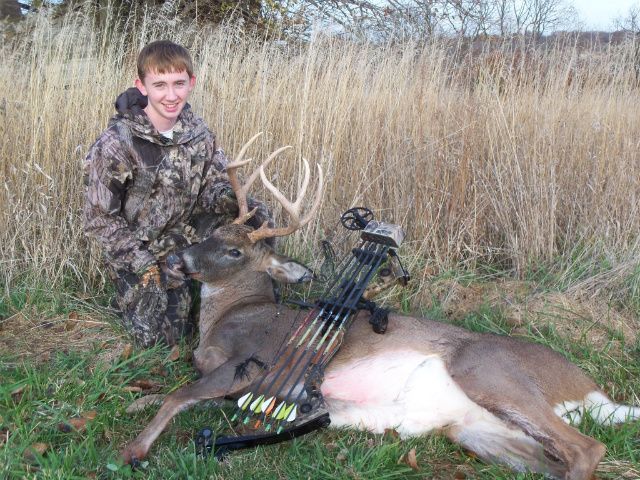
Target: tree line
[{"x": 362, "y": 19}]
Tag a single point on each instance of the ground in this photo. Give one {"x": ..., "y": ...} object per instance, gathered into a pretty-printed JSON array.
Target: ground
[{"x": 68, "y": 379}]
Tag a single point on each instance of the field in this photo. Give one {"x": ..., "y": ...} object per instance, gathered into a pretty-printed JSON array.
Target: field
[{"x": 513, "y": 169}]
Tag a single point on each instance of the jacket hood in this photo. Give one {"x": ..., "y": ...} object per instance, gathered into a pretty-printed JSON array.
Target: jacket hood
[{"x": 130, "y": 107}]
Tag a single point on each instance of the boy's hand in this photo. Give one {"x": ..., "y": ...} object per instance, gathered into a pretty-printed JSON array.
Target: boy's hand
[
  {"x": 151, "y": 275},
  {"x": 174, "y": 276},
  {"x": 152, "y": 293}
]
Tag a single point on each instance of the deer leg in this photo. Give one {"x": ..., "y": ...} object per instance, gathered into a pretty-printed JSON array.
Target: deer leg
[
  {"x": 523, "y": 406},
  {"x": 580, "y": 454},
  {"x": 498, "y": 442},
  {"x": 216, "y": 384}
]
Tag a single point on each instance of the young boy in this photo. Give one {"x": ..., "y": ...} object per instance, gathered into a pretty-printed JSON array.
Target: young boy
[{"x": 156, "y": 182}]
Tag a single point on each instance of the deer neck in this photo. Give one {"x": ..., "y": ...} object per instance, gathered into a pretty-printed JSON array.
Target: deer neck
[{"x": 222, "y": 298}]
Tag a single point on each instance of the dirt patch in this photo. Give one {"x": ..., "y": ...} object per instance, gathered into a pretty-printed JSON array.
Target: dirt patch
[
  {"x": 33, "y": 338},
  {"x": 579, "y": 319},
  {"x": 525, "y": 305}
]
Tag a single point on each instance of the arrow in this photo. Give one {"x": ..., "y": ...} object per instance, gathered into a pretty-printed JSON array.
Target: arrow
[{"x": 354, "y": 293}]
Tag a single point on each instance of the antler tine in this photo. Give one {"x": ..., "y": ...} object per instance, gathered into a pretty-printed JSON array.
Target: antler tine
[
  {"x": 256, "y": 172},
  {"x": 238, "y": 189},
  {"x": 238, "y": 162},
  {"x": 303, "y": 187},
  {"x": 244, "y": 214},
  {"x": 292, "y": 208},
  {"x": 316, "y": 201}
]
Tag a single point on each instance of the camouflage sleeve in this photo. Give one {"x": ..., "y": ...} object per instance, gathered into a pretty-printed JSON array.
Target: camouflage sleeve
[
  {"x": 218, "y": 197},
  {"x": 107, "y": 170}
]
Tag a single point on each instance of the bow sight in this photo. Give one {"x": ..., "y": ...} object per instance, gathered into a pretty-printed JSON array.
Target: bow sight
[{"x": 276, "y": 404}]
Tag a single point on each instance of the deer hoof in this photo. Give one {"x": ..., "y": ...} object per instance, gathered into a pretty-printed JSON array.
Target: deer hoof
[{"x": 132, "y": 456}]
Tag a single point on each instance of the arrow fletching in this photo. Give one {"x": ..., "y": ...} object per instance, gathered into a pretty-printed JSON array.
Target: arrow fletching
[
  {"x": 256, "y": 405},
  {"x": 268, "y": 405},
  {"x": 244, "y": 400},
  {"x": 292, "y": 415},
  {"x": 285, "y": 412}
]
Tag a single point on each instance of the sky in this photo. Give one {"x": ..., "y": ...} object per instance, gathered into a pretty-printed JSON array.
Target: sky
[{"x": 600, "y": 14}]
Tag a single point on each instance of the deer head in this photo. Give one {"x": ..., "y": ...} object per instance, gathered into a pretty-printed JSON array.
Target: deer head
[
  {"x": 237, "y": 248},
  {"x": 230, "y": 253}
]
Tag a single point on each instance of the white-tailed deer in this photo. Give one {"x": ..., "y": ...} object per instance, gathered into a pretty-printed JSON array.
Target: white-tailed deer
[{"x": 507, "y": 400}]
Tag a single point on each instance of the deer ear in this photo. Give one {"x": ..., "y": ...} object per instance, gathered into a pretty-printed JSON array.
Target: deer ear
[{"x": 284, "y": 270}]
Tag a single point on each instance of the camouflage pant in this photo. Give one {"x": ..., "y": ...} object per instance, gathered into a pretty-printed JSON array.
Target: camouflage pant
[{"x": 152, "y": 314}]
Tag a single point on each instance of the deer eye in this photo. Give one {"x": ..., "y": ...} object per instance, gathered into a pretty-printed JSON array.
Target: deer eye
[{"x": 235, "y": 253}]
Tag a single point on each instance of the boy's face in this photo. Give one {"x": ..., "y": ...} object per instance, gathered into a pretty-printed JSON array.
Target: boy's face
[{"x": 167, "y": 94}]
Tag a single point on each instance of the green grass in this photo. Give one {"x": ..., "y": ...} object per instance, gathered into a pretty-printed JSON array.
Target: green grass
[
  {"x": 28, "y": 293},
  {"x": 73, "y": 383}
]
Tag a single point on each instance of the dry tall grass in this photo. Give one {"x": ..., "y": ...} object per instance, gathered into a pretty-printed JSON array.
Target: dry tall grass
[{"x": 480, "y": 158}]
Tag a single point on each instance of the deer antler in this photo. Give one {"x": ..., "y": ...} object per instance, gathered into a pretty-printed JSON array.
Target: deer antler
[
  {"x": 293, "y": 209},
  {"x": 241, "y": 191}
]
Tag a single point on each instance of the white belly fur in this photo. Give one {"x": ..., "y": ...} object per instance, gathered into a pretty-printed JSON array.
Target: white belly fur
[{"x": 405, "y": 390}]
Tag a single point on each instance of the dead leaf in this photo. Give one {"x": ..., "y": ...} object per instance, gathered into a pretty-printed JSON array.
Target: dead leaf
[
  {"x": 410, "y": 459},
  {"x": 4, "y": 436},
  {"x": 146, "y": 384},
  {"x": 80, "y": 424},
  {"x": 342, "y": 456},
  {"x": 30, "y": 454},
  {"x": 75, "y": 423},
  {"x": 459, "y": 475},
  {"x": 160, "y": 370},
  {"x": 40, "y": 448},
  {"x": 16, "y": 394},
  {"x": 184, "y": 437},
  {"x": 72, "y": 322},
  {"x": 126, "y": 352},
  {"x": 131, "y": 389},
  {"x": 331, "y": 446},
  {"x": 64, "y": 427},
  {"x": 391, "y": 433},
  {"x": 89, "y": 414},
  {"x": 174, "y": 354}
]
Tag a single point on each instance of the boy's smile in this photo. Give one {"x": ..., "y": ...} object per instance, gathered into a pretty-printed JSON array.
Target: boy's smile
[{"x": 167, "y": 94}]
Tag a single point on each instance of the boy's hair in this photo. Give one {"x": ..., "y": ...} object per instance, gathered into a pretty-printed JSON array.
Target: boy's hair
[{"x": 163, "y": 56}]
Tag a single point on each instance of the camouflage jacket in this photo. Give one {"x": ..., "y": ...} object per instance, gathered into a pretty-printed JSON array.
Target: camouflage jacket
[{"x": 147, "y": 195}]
